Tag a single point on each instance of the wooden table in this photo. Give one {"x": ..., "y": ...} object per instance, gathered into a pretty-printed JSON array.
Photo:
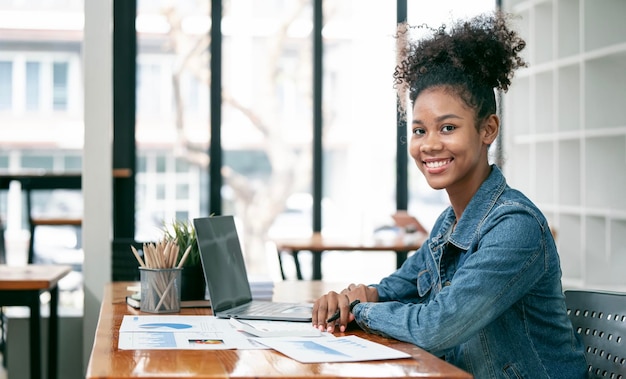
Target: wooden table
[
  {"x": 317, "y": 244},
  {"x": 21, "y": 286},
  {"x": 35, "y": 180},
  {"x": 107, "y": 361}
]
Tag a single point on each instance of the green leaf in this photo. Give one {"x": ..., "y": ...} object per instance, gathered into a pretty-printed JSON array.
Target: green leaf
[{"x": 185, "y": 235}]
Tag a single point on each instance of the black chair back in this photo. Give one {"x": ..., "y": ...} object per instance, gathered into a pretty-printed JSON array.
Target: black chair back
[
  {"x": 3, "y": 253},
  {"x": 600, "y": 319}
]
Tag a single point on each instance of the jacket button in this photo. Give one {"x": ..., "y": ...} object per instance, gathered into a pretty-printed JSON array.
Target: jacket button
[{"x": 447, "y": 283}]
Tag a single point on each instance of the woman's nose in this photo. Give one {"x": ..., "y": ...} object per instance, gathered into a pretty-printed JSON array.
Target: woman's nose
[{"x": 430, "y": 142}]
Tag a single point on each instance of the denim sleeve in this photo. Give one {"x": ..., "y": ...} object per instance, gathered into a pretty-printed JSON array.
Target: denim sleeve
[
  {"x": 508, "y": 257},
  {"x": 401, "y": 285}
]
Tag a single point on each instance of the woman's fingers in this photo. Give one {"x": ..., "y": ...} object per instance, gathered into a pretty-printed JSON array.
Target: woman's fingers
[
  {"x": 323, "y": 308},
  {"x": 331, "y": 310}
]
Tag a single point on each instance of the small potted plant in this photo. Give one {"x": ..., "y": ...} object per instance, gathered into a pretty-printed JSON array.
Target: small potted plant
[{"x": 193, "y": 284}]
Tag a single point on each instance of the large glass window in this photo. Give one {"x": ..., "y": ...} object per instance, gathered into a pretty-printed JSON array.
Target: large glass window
[
  {"x": 360, "y": 114},
  {"x": 172, "y": 129},
  {"x": 267, "y": 121},
  {"x": 359, "y": 118},
  {"x": 266, "y": 117}
]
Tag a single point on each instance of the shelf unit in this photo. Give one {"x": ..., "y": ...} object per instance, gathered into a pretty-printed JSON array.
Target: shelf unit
[{"x": 564, "y": 131}]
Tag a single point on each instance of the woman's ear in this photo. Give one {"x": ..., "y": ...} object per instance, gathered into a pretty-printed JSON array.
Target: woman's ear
[{"x": 491, "y": 128}]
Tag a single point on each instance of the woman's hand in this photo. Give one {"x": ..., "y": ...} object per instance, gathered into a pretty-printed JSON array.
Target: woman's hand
[{"x": 326, "y": 306}]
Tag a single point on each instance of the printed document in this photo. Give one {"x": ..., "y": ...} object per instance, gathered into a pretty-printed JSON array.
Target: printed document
[
  {"x": 332, "y": 349},
  {"x": 264, "y": 328},
  {"x": 178, "y": 332}
]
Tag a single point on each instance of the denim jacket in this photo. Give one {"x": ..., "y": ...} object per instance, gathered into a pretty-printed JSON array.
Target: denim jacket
[{"x": 485, "y": 295}]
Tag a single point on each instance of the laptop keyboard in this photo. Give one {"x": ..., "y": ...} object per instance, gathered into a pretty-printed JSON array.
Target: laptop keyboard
[
  {"x": 270, "y": 311},
  {"x": 259, "y": 308}
]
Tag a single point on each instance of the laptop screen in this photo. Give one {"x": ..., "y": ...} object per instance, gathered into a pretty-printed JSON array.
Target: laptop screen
[{"x": 222, "y": 262}]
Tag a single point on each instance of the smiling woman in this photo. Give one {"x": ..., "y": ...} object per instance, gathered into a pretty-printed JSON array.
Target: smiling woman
[{"x": 484, "y": 291}]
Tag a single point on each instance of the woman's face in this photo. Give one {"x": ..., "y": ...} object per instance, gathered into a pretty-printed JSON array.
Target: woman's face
[{"x": 446, "y": 145}]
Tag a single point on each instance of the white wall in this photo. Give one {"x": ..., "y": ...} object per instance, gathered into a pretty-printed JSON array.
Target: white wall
[{"x": 97, "y": 161}]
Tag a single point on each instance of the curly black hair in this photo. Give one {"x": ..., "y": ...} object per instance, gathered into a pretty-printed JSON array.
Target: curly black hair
[{"x": 475, "y": 57}]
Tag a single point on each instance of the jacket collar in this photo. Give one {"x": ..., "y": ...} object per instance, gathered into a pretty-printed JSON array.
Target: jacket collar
[{"x": 476, "y": 211}]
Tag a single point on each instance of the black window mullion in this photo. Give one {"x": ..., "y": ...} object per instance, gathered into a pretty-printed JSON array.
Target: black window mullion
[
  {"x": 318, "y": 151},
  {"x": 123, "y": 265},
  {"x": 215, "y": 148},
  {"x": 124, "y": 147},
  {"x": 402, "y": 159}
]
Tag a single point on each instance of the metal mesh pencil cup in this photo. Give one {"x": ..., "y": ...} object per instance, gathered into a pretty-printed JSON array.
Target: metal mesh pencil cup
[{"x": 160, "y": 289}]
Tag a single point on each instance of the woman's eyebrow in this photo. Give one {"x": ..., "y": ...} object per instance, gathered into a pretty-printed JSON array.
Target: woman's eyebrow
[{"x": 440, "y": 118}]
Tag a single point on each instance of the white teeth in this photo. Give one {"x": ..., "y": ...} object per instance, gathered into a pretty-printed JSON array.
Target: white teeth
[{"x": 436, "y": 164}]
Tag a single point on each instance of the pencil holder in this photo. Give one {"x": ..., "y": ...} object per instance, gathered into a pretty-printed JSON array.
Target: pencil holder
[{"x": 160, "y": 289}]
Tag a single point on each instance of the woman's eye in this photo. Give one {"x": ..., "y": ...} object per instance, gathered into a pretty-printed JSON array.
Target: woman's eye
[
  {"x": 447, "y": 128},
  {"x": 418, "y": 131}
]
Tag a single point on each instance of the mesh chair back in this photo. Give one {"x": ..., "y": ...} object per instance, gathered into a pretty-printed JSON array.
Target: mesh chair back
[
  {"x": 3, "y": 257},
  {"x": 600, "y": 319}
]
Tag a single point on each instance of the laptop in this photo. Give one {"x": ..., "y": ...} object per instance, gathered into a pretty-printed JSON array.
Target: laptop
[{"x": 227, "y": 280}]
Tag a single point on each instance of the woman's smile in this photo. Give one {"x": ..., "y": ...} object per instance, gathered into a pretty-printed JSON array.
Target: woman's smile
[{"x": 436, "y": 166}]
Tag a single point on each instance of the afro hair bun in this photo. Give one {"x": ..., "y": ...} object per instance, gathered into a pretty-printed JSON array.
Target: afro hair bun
[{"x": 480, "y": 52}]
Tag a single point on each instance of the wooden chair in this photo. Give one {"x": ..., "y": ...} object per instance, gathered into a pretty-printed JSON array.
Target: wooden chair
[
  {"x": 600, "y": 319},
  {"x": 34, "y": 222}
]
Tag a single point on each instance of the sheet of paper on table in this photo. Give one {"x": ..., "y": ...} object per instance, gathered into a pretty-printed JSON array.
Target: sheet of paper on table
[
  {"x": 332, "y": 349},
  {"x": 181, "y": 332},
  {"x": 263, "y": 328}
]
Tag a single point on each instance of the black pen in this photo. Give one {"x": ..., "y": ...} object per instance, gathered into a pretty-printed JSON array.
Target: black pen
[{"x": 335, "y": 316}]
